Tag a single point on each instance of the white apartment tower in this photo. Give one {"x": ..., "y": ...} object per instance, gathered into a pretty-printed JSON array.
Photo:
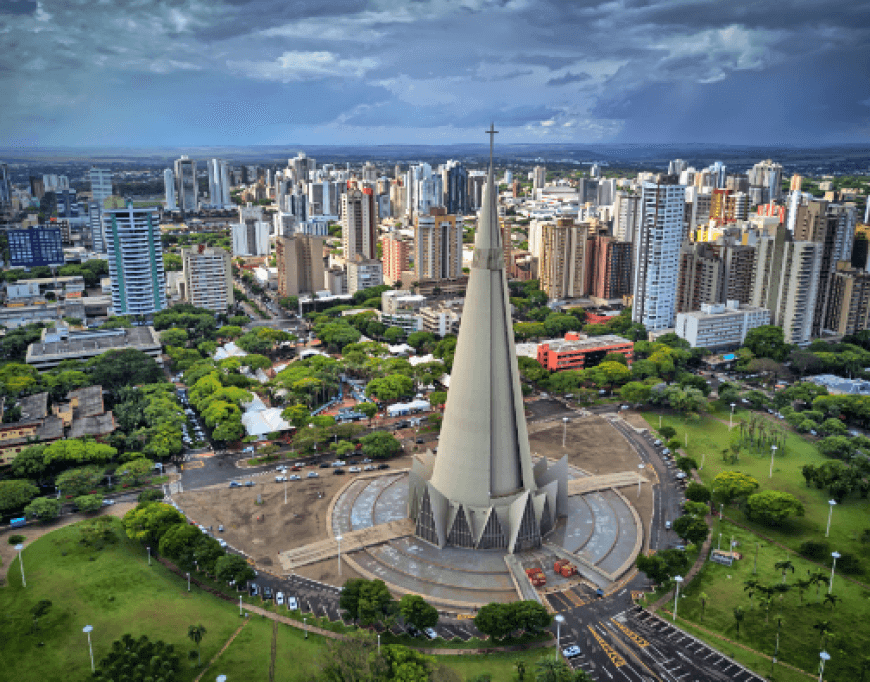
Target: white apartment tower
[
  {"x": 208, "y": 278},
  {"x": 219, "y": 183},
  {"x": 657, "y": 254},
  {"x": 101, "y": 184},
  {"x": 135, "y": 258},
  {"x": 539, "y": 177},
  {"x": 626, "y": 216},
  {"x": 250, "y": 238},
  {"x": 359, "y": 218},
  {"x": 437, "y": 246},
  {"x": 171, "y": 203},
  {"x": 186, "y": 189}
]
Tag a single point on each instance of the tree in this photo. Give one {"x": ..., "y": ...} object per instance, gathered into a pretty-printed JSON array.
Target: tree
[
  {"x": 99, "y": 532},
  {"x": 375, "y": 602},
  {"x": 368, "y": 409},
  {"x": 733, "y": 485},
  {"x": 391, "y": 387},
  {"x": 418, "y": 340},
  {"x": 697, "y": 509},
  {"x": 612, "y": 373},
  {"x": 773, "y": 507},
  {"x": 135, "y": 471},
  {"x": 416, "y": 611},
  {"x": 174, "y": 337},
  {"x": 43, "y": 508},
  {"x": 30, "y": 463},
  {"x": 80, "y": 480},
  {"x": 667, "y": 432},
  {"x": 380, "y": 445},
  {"x": 739, "y": 615},
  {"x": 195, "y": 633},
  {"x": 635, "y": 392},
  {"x": 832, "y": 599},
  {"x": 767, "y": 341},
  {"x": 229, "y": 331},
  {"x": 698, "y": 492},
  {"x": 14, "y": 494},
  {"x": 437, "y": 398},
  {"x": 116, "y": 368},
  {"x": 139, "y": 660},
  {"x": 405, "y": 665},
  {"x": 178, "y": 543},
  {"x": 148, "y": 522},
  {"x": 686, "y": 464},
  {"x": 393, "y": 334},
  {"x": 495, "y": 620},
  {"x": 38, "y": 610},
  {"x": 691, "y": 529},
  {"x": 89, "y": 504},
  {"x": 530, "y": 616},
  {"x": 553, "y": 669},
  {"x": 348, "y": 599},
  {"x": 231, "y": 567}
]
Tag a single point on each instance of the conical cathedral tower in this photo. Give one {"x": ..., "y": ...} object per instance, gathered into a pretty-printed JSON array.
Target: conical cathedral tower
[{"x": 482, "y": 490}]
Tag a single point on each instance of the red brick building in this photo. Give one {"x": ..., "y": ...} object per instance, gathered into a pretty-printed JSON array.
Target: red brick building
[{"x": 578, "y": 351}]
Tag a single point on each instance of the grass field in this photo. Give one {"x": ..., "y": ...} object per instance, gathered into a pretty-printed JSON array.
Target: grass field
[{"x": 117, "y": 592}]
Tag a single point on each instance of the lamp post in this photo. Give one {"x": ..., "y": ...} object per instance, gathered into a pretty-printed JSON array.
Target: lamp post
[
  {"x": 240, "y": 605},
  {"x": 836, "y": 556},
  {"x": 678, "y": 579},
  {"x": 188, "y": 581},
  {"x": 87, "y": 630},
  {"x": 379, "y": 644},
  {"x": 660, "y": 422},
  {"x": 719, "y": 546},
  {"x": 305, "y": 623},
  {"x": 825, "y": 656},
  {"x": 149, "y": 554},
  {"x": 285, "y": 489},
  {"x": 687, "y": 438},
  {"x": 721, "y": 507},
  {"x": 559, "y": 618},
  {"x": 19, "y": 548},
  {"x": 830, "y": 514},
  {"x": 640, "y": 467},
  {"x": 731, "y": 418},
  {"x": 338, "y": 539},
  {"x": 703, "y": 459},
  {"x": 564, "y": 430},
  {"x": 772, "y": 453}
]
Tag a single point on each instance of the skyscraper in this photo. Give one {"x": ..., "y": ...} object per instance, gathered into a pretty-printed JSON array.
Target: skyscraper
[
  {"x": 766, "y": 176},
  {"x": 101, "y": 184},
  {"x": 186, "y": 188},
  {"x": 250, "y": 238},
  {"x": 539, "y": 178},
  {"x": 35, "y": 246},
  {"x": 564, "y": 259},
  {"x": 656, "y": 254},
  {"x": 454, "y": 179},
  {"x": 359, "y": 217},
  {"x": 437, "y": 246},
  {"x": 208, "y": 277},
  {"x": 5, "y": 187},
  {"x": 170, "y": 204},
  {"x": 219, "y": 183},
  {"x": 135, "y": 258},
  {"x": 300, "y": 264},
  {"x": 396, "y": 258},
  {"x": 482, "y": 490},
  {"x": 626, "y": 216}
]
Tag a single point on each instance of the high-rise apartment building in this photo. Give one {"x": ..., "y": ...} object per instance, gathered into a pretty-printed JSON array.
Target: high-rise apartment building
[
  {"x": 657, "y": 253},
  {"x": 301, "y": 167},
  {"x": 171, "y": 202},
  {"x": 677, "y": 166},
  {"x": 363, "y": 273},
  {"x": 135, "y": 258},
  {"x": 300, "y": 264},
  {"x": 786, "y": 282},
  {"x": 5, "y": 187},
  {"x": 848, "y": 309},
  {"x": 437, "y": 246},
  {"x": 539, "y": 178},
  {"x": 359, "y": 220},
  {"x": 35, "y": 246},
  {"x": 396, "y": 258},
  {"x": 626, "y": 216},
  {"x": 250, "y": 238},
  {"x": 101, "y": 184},
  {"x": 766, "y": 176},
  {"x": 454, "y": 181},
  {"x": 476, "y": 181},
  {"x": 727, "y": 206},
  {"x": 208, "y": 277},
  {"x": 701, "y": 276},
  {"x": 797, "y": 182},
  {"x": 610, "y": 267},
  {"x": 564, "y": 260},
  {"x": 219, "y": 183},
  {"x": 186, "y": 188}
]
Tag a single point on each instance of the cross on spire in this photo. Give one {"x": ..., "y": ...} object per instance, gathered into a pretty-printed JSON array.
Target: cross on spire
[{"x": 492, "y": 133}]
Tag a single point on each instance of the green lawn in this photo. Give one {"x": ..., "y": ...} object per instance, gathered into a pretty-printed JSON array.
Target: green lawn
[
  {"x": 708, "y": 437},
  {"x": 116, "y": 592}
]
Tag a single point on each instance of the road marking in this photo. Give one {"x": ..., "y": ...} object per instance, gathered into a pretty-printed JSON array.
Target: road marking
[
  {"x": 633, "y": 636},
  {"x": 611, "y": 653},
  {"x": 192, "y": 465},
  {"x": 575, "y": 599}
]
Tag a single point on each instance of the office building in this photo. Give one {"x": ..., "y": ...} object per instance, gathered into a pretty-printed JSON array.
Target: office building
[
  {"x": 359, "y": 220},
  {"x": 848, "y": 309},
  {"x": 54, "y": 182},
  {"x": 437, "y": 246},
  {"x": 539, "y": 178},
  {"x": 101, "y": 184},
  {"x": 35, "y": 246},
  {"x": 363, "y": 273},
  {"x": 564, "y": 259},
  {"x": 396, "y": 258},
  {"x": 578, "y": 351},
  {"x": 300, "y": 264},
  {"x": 657, "y": 254},
  {"x": 135, "y": 258},
  {"x": 170, "y": 203},
  {"x": 219, "y": 183},
  {"x": 454, "y": 180},
  {"x": 37, "y": 187},
  {"x": 250, "y": 238},
  {"x": 61, "y": 344},
  {"x": 476, "y": 181},
  {"x": 720, "y": 326},
  {"x": 186, "y": 187},
  {"x": 95, "y": 226},
  {"x": 610, "y": 267},
  {"x": 208, "y": 277}
]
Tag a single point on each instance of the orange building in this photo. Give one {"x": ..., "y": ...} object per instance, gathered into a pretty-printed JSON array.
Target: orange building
[{"x": 579, "y": 351}]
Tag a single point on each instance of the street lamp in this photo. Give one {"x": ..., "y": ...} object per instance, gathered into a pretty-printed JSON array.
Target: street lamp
[
  {"x": 559, "y": 618},
  {"x": 731, "y": 418},
  {"x": 836, "y": 556},
  {"x": 338, "y": 539},
  {"x": 825, "y": 656},
  {"x": 305, "y": 623},
  {"x": 240, "y": 605},
  {"x": 703, "y": 459},
  {"x": 679, "y": 581},
  {"x": 564, "y": 430},
  {"x": 87, "y": 630},
  {"x": 285, "y": 490},
  {"x": 772, "y": 453},
  {"x": 721, "y": 507},
  {"x": 830, "y": 514},
  {"x": 19, "y": 548},
  {"x": 149, "y": 555},
  {"x": 379, "y": 644},
  {"x": 188, "y": 581},
  {"x": 640, "y": 468}
]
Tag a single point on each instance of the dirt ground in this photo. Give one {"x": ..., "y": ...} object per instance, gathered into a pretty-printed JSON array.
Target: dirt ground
[{"x": 264, "y": 530}]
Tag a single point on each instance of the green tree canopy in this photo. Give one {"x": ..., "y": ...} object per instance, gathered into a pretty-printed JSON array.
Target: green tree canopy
[
  {"x": 733, "y": 485},
  {"x": 43, "y": 508},
  {"x": 380, "y": 445},
  {"x": 416, "y": 611},
  {"x": 14, "y": 494},
  {"x": 148, "y": 522},
  {"x": 773, "y": 506},
  {"x": 691, "y": 529},
  {"x": 767, "y": 341}
]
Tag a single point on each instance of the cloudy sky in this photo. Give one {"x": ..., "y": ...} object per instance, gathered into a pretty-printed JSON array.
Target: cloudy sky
[{"x": 201, "y": 72}]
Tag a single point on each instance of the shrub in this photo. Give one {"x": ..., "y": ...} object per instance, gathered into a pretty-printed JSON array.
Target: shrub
[
  {"x": 849, "y": 563},
  {"x": 818, "y": 550},
  {"x": 697, "y": 492},
  {"x": 16, "y": 539},
  {"x": 150, "y": 495}
]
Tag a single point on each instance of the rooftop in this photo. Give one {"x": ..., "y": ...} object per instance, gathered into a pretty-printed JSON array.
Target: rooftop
[{"x": 588, "y": 343}]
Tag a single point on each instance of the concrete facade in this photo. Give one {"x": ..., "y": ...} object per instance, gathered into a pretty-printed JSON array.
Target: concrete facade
[{"x": 720, "y": 326}]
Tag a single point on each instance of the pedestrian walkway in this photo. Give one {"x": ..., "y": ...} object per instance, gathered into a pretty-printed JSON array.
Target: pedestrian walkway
[{"x": 220, "y": 653}]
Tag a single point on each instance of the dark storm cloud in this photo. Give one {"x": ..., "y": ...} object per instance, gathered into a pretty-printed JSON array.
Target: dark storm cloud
[{"x": 202, "y": 71}]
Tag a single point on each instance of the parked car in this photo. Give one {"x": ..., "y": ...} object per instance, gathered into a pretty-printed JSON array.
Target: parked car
[
  {"x": 430, "y": 633},
  {"x": 267, "y": 592},
  {"x": 414, "y": 632},
  {"x": 366, "y": 460},
  {"x": 369, "y": 467},
  {"x": 249, "y": 484},
  {"x": 280, "y": 479},
  {"x": 667, "y": 525},
  {"x": 572, "y": 651},
  {"x": 108, "y": 503},
  {"x": 253, "y": 589},
  {"x": 220, "y": 529},
  {"x": 313, "y": 474},
  {"x": 294, "y": 477},
  {"x": 324, "y": 465},
  {"x": 338, "y": 472},
  {"x": 383, "y": 466},
  {"x": 292, "y": 604},
  {"x": 338, "y": 463},
  {"x": 222, "y": 543},
  {"x": 235, "y": 484},
  {"x": 279, "y": 598},
  {"x": 354, "y": 470}
]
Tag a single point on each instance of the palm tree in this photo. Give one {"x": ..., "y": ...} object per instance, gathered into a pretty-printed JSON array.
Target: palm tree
[
  {"x": 785, "y": 565},
  {"x": 703, "y": 597},
  {"x": 802, "y": 584},
  {"x": 196, "y": 633},
  {"x": 751, "y": 586},
  {"x": 865, "y": 666},
  {"x": 819, "y": 578},
  {"x": 782, "y": 588},
  {"x": 832, "y": 599},
  {"x": 824, "y": 628},
  {"x": 551, "y": 669},
  {"x": 738, "y": 618}
]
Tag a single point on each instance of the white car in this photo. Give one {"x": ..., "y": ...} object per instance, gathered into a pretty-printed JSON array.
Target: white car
[
  {"x": 279, "y": 599},
  {"x": 313, "y": 474},
  {"x": 338, "y": 463},
  {"x": 369, "y": 467},
  {"x": 294, "y": 477},
  {"x": 354, "y": 470},
  {"x": 571, "y": 651},
  {"x": 222, "y": 543},
  {"x": 280, "y": 479},
  {"x": 281, "y": 468},
  {"x": 292, "y": 604}
]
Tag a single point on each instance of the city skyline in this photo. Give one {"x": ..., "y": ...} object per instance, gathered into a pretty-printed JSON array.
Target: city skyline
[{"x": 263, "y": 72}]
